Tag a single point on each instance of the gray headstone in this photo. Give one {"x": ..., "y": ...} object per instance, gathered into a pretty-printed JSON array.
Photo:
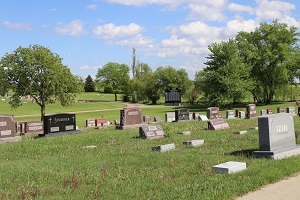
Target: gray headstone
[
  {"x": 263, "y": 112},
  {"x": 241, "y": 114},
  {"x": 170, "y": 116},
  {"x": 146, "y": 119},
  {"x": 194, "y": 143},
  {"x": 276, "y": 136},
  {"x": 151, "y": 132},
  {"x": 195, "y": 116},
  {"x": 165, "y": 147},
  {"x": 202, "y": 118},
  {"x": 90, "y": 122},
  {"x": 229, "y": 167},
  {"x": 157, "y": 119},
  {"x": 230, "y": 114},
  {"x": 291, "y": 110},
  {"x": 280, "y": 110}
]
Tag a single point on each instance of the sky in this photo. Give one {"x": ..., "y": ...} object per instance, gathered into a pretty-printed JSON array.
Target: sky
[{"x": 87, "y": 34}]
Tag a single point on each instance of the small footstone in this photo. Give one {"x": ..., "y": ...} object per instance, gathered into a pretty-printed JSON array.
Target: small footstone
[
  {"x": 162, "y": 148},
  {"x": 240, "y": 132},
  {"x": 194, "y": 143},
  {"x": 229, "y": 167},
  {"x": 184, "y": 132},
  {"x": 10, "y": 139}
]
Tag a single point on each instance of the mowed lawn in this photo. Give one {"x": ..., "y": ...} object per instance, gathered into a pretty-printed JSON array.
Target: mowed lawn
[{"x": 116, "y": 164}]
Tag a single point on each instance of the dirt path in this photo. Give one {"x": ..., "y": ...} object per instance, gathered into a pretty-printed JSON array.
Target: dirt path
[{"x": 128, "y": 105}]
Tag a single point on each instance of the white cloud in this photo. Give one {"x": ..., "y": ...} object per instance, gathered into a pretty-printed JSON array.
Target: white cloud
[
  {"x": 240, "y": 8},
  {"x": 207, "y": 10},
  {"x": 75, "y": 28},
  {"x": 273, "y": 9},
  {"x": 18, "y": 26},
  {"x": 235, "y": 26},
  {"x": 110, "y": 31},
  {"x": 146, "y": 2},
  {"x": 92, "y": 7},
  {"x": 136, "y": 41},
  {"x": 87, "y": 67},
  {"x": 53, "y": 9}
]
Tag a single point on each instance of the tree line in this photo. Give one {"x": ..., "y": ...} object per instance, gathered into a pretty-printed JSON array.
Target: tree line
[{"x": 262, "y": 63}]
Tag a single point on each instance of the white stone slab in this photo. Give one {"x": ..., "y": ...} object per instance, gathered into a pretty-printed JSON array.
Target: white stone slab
[
  {"x": 194, "y": 143},
  {"x": 202, "y": 118},
  {"x": 240, "y": 132},
  {"x": 229, "y": 167},
  {"x": 184, "y": 132},
  {"x": 165, "y": 147}
]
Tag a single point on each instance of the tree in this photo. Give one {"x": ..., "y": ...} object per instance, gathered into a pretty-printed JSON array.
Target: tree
[
  {"x": 116, "y": 76},
  {"x": 226, "y": 77},
  {"x": 89, "y": 84},
  {"x": 269, "y": 52},
  {"x": 38, "y": 72}
]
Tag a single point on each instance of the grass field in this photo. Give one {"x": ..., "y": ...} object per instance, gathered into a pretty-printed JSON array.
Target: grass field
[{"x": 123, "y": 166}]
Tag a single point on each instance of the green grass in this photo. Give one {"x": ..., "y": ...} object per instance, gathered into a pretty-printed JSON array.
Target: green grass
[{"x": 122, "y": 166}]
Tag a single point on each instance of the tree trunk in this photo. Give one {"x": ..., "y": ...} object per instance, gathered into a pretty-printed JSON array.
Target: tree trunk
[
  {"x": 116, "y": 99},
  {"x": 42, "y": 112},
  {"x": 154, "y": 101}
]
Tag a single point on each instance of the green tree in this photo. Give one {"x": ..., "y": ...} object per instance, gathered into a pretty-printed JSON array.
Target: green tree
[
  {"x": 115, "y": 76},
  {"x": 89, "y": 85},
  {"x": 226, "y": 77},
  {"x": 38, "y": 72},
  {"x": 269, "y": 51}
]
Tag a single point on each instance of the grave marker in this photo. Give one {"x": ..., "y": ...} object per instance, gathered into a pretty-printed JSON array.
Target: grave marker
[
  {"x": 57, "y": 124},
  {"x": 230, "y": 114},
  {"x": 269, "y": 111},
  {"x": 250, "y": 111},
  {"x": 203, "y": 118},
  {"x": 291, "y": 110},
  {"x": 217, "y": 124},
  {"x": 8, "y": 129},
  {"x": 229, "y": 167},
  {"x": 151, "y": 132},
  {"x": 34, "y": 127},
  {"x": 146, "y": 119},
  {"x": 101, "y": 123},
  {"x": 213, "y": 113},
  {"x": 170, "y": 116},
  {"x": 130, "y": 118},
  {"x": 182, "y": 114},
  {"x": 242, "y": 114},
  {"x": 280, "y": 110},
  {"x": 90, "y": 122},
  {"x": 277, "y": 136},
  {"x": 157, "y": 119},
  {"x": 263, "y": 112},
  {"x": 172, "y": 97}
]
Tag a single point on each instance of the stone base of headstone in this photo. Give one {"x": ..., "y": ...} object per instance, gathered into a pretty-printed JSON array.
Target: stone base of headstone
[
  {"x": 240, "y": 132},
  {"x": 279, "y": 153},
  {"x": 172, "y": 104},
  {"x": 129, "y": 126},
  {"x": 60, "y": 133},
  {"x": 194, "y": 143},
  {"x": 184, "y": 132},
  {"x": 10, "y": 139},
  {"x": 229, "y": 167},
  {"x": 165, "y": 147}
]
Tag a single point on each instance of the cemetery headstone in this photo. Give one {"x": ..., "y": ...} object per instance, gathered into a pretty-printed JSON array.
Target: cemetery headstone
[
  {"x": 218, "y": 124},
  {"x": 172, "y": 97},
  {"x": 291, "y": 110},
  {"x": 130, "y": 118},
  {"x": 241, "y": 114},
  {"x": 8, "y": 129},
  {"x": 59, "y": 124},
  {"x": 250, "y": 111},
  {"x": 277, "y": 136},
  {"x": 165, "y": 147},
  {"x": 297, "y": 103},
  {"x": 202, "y": 118},
  {"x": 237, "y": 111},
  {"x": 117, "y": 122},
  {"x": 280, "y": 110},
  {"x": 182, "y": 114},
  {"x": 146, "y": 119},
  {"x": 213, "y": 113},
  {"x": 170, "y": 116},
  {"x": 20, "y": 127},
  {"x": 263, "y": 112},
  {"x": 230, "y": 114},
  {"x": 229, "y": 167},
  {"x": 157, "y": 119},
  {"x": 194, "y": 143},
  {"x": 151, "y": 132},
  {"x": 101, "y": 123},
  {"x": 195, "y": 116},
  {"x": 36, "y": 127},
  {"x": 90, "y": 122},
  {"x": 269, "y": 111},
  {"x": 191, "y": 116}
]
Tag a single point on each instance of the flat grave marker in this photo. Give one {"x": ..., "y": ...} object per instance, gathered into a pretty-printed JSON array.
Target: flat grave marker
[
  {"x": 163, "y": 148},
  {"x": 203, "y": 118},
  {"x": 218, "y": 124},
  {"x": 194, "y": 143},
  {"x": 229, "y": 167},
  {"x": 151, "y": 132}
]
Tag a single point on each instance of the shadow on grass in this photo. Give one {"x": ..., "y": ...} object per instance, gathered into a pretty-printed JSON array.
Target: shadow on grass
[{"x": 246, "y": 153}]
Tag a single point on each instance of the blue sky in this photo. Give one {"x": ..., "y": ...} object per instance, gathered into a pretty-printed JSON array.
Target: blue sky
[{"x": 89, "y": 33}]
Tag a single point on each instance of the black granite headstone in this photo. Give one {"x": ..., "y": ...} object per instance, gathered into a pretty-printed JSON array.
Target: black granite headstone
[
  {"x": 182, "y": 114},
  {"x": 59, "y": 123}
]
